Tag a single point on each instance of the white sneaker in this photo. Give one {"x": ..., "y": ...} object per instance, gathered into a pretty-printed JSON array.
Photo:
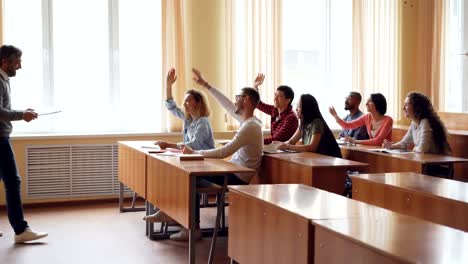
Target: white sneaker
[
  {"x": 29, "y": 235},
  {"x": 1, "y": 233},
  {"x": 159, "y": 217},
  {"x": 183, "y": 235}
]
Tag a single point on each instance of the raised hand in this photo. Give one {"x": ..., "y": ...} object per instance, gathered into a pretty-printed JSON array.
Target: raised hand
[
  {"x": 198, "y": 78},
  {"x": 258, "y": 80},
  {"x": 332, "y": 111},
  {"x": 171, "y": 77}
]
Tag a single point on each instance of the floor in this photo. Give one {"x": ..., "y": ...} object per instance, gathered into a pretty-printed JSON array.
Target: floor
[{"x": 98, "y": 233}]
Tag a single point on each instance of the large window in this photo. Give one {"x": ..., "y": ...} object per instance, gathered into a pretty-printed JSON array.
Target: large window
[
  {"x": 456, "y": 95},
  {"x": 317, "y": 51},
  {"x": 98, "y": 61}
]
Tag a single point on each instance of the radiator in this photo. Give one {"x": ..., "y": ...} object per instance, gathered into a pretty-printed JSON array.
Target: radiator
[{"x": 62, "y": 171}]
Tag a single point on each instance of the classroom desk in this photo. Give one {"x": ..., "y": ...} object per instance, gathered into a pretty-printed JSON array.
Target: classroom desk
[
  {"x": 171, "y": 183},
  {"x": 434, "y": 199},
  {"x": 407, "y": 162},
  {"x": 294, "y": 223},
  {"x": 132, "y": 169},
  {"x": 312, "y": 169},
  {"x": 388, "y": 237},
  {"x": 458, "y": 140}
]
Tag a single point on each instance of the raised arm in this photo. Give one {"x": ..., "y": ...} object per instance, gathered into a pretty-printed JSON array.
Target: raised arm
[
  {"x": 221, "y": 98},
  {"x": 361, "y": 121},
  {"x": 170, "y": 103},
  {"x": 265, "y": 108}
]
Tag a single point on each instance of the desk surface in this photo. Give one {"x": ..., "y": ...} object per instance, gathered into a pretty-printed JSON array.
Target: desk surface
[
  {"x": 207, "y": 166},
  {"x": 416, "y": 157},
  {"x": 306, "y": 201},
  {"x": 315, "y": 160},
  {"x": 450, "y": 189},
  {"x": 404, "y": 237},
  {"x": 450, "y": 131}
]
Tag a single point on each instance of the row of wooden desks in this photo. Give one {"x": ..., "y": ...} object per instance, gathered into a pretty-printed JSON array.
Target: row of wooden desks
[
  {"x": 167, "y": 182},
  {"x": 385, "y": 162},
  {"x": 434, "y": 199},
  {"x": 301, "y": 224}
]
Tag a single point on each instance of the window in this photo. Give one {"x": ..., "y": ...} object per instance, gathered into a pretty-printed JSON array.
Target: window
[
  {"x": 99, "y": 61},
  {"x": 317, "y": 51},
  {"x": 456, "y": 75}
]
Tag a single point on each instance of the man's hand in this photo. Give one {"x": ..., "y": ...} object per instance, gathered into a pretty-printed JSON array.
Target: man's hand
[
  {"x": 29, "y": 115},
  {"x": 332, "y": 111},
  {"x": 198, "y": 78},
  {"x": 258, "y": 80}
]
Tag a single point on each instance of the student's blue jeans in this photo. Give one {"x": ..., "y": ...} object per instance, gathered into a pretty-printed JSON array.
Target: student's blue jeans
[{"x": 12, "y": 181}]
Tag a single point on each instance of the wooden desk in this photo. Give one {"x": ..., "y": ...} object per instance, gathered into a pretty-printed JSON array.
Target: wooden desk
[
  {"x": 384, "y": 162},
  {"x": 132, "y": 169},
  {"x": 271, "y": 223},
  {"x": 290, "y": 223},
  {"x": 458, "y": 140},
  {"x": 312, "y": 169},
  {"x": 171, "y": 183},
  {"x": 388, "y": 237},
  {"x": 437, "y": 200}
]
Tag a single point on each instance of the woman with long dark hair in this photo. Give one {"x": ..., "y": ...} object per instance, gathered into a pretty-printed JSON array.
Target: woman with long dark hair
[
  {"x": 427, "y": 132},
  {"x": 313, "y": 130},
  {"x": 378, "y": 125}
]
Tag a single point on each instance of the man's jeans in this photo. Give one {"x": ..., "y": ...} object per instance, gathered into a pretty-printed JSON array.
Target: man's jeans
[{"x": 12, "y": 181}]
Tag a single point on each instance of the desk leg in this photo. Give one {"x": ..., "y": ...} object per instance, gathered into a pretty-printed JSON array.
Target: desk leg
[
  {"x": 218, "y": 214},
  {"x": 192, "y": 224},
  {"x": 133, "y": 208},
  {"x": 121, "y": 196}
]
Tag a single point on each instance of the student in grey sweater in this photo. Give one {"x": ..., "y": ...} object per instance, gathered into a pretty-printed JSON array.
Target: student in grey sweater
[
  {"x": 10, "y": 62},
  {"x": 427, "y": 132},
  {"x": 246, "y": 147}
]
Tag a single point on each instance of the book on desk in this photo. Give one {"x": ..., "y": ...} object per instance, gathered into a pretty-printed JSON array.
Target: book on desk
[{"x": 191, "y": 157}]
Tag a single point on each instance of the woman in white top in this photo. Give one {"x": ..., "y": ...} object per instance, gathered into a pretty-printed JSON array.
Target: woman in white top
[{"x": 427, "y": 132}]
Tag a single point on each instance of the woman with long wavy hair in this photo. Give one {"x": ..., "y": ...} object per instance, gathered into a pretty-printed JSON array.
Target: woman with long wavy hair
[{"x": 427, "y": 132}]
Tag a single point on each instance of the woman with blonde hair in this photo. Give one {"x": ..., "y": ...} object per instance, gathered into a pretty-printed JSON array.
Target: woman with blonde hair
[{"x": 197, "y": 127}]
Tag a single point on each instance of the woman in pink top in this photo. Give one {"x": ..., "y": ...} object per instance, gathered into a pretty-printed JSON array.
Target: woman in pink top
[{"x": 378, "y": 125}]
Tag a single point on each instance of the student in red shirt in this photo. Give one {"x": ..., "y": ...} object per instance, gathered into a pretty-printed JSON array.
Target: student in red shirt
[{"x": 284, "y": 121}]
